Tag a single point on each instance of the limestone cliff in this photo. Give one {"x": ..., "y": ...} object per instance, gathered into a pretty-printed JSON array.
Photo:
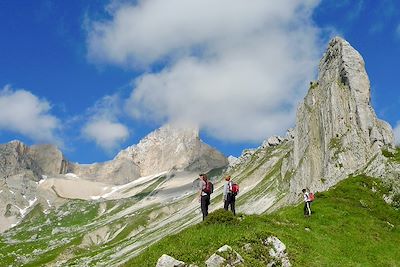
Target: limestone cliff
[
  {"x": 337, "y": 134},
  {"x": 337, "y": 131}
]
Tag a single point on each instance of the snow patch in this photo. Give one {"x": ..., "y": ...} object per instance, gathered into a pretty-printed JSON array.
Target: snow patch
[
  {"x": 44, "y": 178},
  {"x": 24, "y": 210},
  {"x": 131, "y": 184},
  {"x": 71, "y": 175}
]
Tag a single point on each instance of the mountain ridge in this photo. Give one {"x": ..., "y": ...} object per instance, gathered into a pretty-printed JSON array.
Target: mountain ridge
[{"x": 23, "y": 169}]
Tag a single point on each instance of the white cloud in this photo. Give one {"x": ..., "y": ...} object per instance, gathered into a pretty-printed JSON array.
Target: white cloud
[
  {"x": 106, "y": 134},
  {"x": 396, "y": 132},
  {"x": 26, "y": 114},
  {"x": 236, "y": 68},
  {"x": 102, "y": 126}
]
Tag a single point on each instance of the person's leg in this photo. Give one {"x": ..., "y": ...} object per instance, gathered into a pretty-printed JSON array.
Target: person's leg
[
  {"x": 226, "y": 203},
  {"x": 207, "y": 204},
  {"x": 305, "y": 209},
  {"x": 233, "y": 204},
  {"x": 309, "y": 208},
  {"x": 204, "y": 206}
]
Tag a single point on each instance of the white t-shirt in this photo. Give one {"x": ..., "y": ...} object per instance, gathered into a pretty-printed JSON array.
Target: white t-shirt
[
  {"x": 306, "y": 197},
  {"x": 203, "y": 186}
]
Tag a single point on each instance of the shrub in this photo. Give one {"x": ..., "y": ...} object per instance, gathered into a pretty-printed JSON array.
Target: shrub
[{"x": 221, "y": 216}]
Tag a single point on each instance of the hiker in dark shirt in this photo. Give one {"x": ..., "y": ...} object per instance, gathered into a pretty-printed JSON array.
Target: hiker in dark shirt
[
  {"x": 204, "y": 195},
  {"x": 229, "y": 197}
]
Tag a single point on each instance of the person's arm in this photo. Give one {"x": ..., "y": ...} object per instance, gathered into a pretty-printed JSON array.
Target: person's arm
[
  {"x": 225, "y": 190},
  {"x": 201, "y": 189}
]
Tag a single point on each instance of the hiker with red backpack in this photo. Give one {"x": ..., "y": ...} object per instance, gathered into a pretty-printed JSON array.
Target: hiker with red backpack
[
  {"x": 231, "y": 189},
  {"x": 308, "y": 198},
  {"x": 206, "y": 188}
]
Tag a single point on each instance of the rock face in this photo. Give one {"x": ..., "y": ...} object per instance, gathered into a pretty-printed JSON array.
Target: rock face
[
  {"x": 337, "y": 131},
  {"x": 21, "y": 167},
  {"x": 173, "y": 147},
  {"x": 16, "y": 157}
]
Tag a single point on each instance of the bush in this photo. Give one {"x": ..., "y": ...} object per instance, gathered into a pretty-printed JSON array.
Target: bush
[
  {"x": 221, "y": 216},
  {"x": 387, "y": 153}
]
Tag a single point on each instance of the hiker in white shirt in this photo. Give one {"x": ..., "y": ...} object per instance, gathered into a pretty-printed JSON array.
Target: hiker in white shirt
[{"x": 307, "y": 202}]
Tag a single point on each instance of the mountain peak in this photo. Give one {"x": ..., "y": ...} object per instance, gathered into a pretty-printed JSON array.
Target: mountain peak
[
  {"x": 173, "y": 146},
  {"x": 337, "y": 130}
]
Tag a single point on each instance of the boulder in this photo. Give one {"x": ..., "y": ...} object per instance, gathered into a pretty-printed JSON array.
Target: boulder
[
  {"x": 168, "y": 261},
  {"x": 215, "y": 261},
  {"x": 277, "y": 252},
  {"x": 225, "y": 256}
]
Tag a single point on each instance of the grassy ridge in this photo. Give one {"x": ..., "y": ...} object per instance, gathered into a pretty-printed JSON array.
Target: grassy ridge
[{"x": 351, "y": 226}]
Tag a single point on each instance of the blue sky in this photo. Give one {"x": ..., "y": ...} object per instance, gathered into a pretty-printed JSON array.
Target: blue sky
[{"x": 96, "y": 76}]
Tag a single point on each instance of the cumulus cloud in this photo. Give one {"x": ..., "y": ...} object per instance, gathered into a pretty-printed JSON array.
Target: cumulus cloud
[
  {"x": 103, "y": 126},
  {"x": 105, "y": 133},
  {"x": 396, "y": 132},
  {"x": 26, "y": 114},
  {"x": 235, "y": 68}
]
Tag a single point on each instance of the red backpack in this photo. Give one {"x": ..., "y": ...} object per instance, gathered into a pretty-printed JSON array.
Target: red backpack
[
  {"x": 235, "y": 188},
  {"x": 209, "y": 189},
  {"x": 311, "y": 197}
]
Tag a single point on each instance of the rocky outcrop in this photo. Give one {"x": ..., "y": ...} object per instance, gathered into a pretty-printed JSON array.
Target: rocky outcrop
[{"x": 337, "y": 131}]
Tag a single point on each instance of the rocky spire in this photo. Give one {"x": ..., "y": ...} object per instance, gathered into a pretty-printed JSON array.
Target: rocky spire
[{"x": 337, "y": 131}]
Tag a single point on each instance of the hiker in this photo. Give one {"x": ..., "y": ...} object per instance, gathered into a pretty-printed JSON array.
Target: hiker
[
  {"x": 229, "y": 196},
  {"x": 204, "y": 195},
  {"x": 307, "y": 202}
]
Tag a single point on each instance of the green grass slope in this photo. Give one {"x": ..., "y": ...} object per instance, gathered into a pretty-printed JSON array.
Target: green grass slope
[{"x": 351, "y": 226}]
